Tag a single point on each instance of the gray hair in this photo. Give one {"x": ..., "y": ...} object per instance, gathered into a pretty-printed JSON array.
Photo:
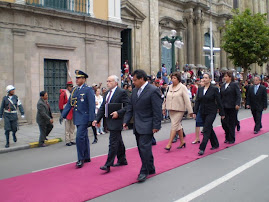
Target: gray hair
[
  {"x": 209, "y": 75},
  {"x": 115, "y": 78},
  {"x": 258, "y": 77}
]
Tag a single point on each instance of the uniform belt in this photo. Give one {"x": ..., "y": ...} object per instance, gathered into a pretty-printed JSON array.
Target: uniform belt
[{"x": 12, "y": 112}]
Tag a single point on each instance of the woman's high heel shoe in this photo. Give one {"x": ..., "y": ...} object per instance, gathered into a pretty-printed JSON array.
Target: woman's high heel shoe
[
  {"x": 196, "y": 142},
  {"x": 168, "y": 149},
  {"x": 180, "y": 147}
]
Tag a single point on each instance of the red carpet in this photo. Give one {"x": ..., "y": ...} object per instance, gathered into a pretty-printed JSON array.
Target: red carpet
[{"x": 65, "y": 183}]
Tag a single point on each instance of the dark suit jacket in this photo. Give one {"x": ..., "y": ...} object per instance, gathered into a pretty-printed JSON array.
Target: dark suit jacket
[
  {"x": 210, "y": 102},
  {"x": 119, "y": 96},
  {"x": 259, "y": 101},
  {"x": 230, "y": 96},
  {"x": 146, "y": 110},
  {"x": 43, "y": 115}
]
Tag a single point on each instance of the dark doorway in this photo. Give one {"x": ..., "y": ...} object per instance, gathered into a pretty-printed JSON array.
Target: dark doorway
[
  {"x": 55, "y": 78},
  {"x": 126, "y": 48}
]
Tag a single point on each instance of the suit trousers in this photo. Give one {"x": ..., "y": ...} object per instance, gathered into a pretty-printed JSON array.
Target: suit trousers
[
  {"x": 82, "y": 142},
  {"x": 257, "y": 116},
  {"x": 229, "y": 123},
  {"x": 144, "y": 144},
  {"x": 209, "y": 133},
  {"x": 45, "y": 130},
  {"x": 116, "y": 148},
  {"x": 69, "y": 131}
]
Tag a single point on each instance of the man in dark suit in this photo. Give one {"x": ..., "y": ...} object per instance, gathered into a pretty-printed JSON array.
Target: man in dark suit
[
  {"x": 83, "y": 102},
  {"x": 257, "y": 102},
  {"x": 231, "y": 98},
  {"x": 44, "y": 118},
  {"x": 114, "y": 122},
  {"x": 145, "y": 107}
]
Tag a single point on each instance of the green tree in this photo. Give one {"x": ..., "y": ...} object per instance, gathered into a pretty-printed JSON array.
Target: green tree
[{"x": 246, "y": 39}]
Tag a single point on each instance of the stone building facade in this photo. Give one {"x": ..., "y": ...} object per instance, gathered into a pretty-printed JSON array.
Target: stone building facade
[
  {"x": 41, "y": 48},
  {"x": 151, "y": 20}
]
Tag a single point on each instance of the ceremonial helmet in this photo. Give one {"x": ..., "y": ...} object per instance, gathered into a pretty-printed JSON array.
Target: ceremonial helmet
[{"x": 10, "y": 88}]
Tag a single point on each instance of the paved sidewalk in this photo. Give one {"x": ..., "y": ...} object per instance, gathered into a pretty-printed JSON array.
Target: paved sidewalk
[{"x": 28, "y": 134}]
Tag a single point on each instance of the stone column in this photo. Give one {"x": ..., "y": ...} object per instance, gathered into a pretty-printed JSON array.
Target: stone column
[
  {"x": 198, "y": 42},
  {"x": 154, "y": 36},
  {"x": 202, "y": 41},
  {"x": 181, "y": 53},
  {"x": 190, "y": 37},
  {"x": 19, "y": 70},
  {"x": 223, "y": 55}
]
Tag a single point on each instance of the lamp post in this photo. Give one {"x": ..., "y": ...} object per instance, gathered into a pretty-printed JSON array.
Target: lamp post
[{"x": 174, "y": 41}]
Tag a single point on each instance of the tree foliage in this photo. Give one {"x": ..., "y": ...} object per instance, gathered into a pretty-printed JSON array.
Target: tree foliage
[{"x": 246, "y": 39}]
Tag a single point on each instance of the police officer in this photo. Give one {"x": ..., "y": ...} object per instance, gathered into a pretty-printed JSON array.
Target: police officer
[
  {"x": 82, "y": 100},
  {"x": 9, "y": 106}
]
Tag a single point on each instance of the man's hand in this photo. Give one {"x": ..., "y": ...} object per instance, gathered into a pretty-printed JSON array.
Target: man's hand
[
  {"x": 114, "y": 115},
  {"x": 194, "y": 116},
  {"x": 164, "y": 112},
  {"x": 94, "y": 123},
  {"x": 248, "y": 106},
  {"x": 22, "y": 116},
  {"x": 222, "y": 117},
  {"x": 125, "y": 126},
  {"x": 155, "y": 130},
  {"x": 237, "y": 107},
  {"x": 90, "y": 124},
  {"x": 191, "y": 115},
  {"x": 51, "y": 121}
]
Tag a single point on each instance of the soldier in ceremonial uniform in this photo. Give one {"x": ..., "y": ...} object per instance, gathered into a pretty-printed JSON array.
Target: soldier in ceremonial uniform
[
  {"x": 9, "y": 106},
  {"x": 82, "y": 100}
]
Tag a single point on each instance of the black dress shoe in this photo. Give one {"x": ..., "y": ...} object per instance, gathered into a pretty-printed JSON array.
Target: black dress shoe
[
  {"x": 238, "y": 127},
  {"x": 120, "y": 164},
  {"x": 42, "y": 145},
  {"x": 255, "y": 132},
  {"x": 142, "y": 177},
  {"x": 231, "y": 142},
  {"x": 212, "y": 148},
  {"x": 79, "y": 163},
  {"x": 87, "y": 160},
  {"x": 95, "y": 141},
  {"x": 201, "y": 152},
  {"x": 152, "y": 172},
  {"x": 68, "y": 144},
  {"x": 73, "y": 143},
  {"x": 7, "y": 145},
  {"x": 226, "y": 141},
  {"x": 106, "y": 168},
  {"x": 14, "y": 138}
]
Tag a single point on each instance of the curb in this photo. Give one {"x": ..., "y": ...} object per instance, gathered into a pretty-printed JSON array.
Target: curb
[{"x": 29, "y": 146}]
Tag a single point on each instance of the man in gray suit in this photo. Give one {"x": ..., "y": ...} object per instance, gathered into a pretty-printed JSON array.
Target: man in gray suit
[
  {"x": 44, "y": 118},
  {"x": 145, "y": 107}
]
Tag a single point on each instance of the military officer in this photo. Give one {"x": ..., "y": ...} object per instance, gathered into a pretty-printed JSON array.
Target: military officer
[
  {"x": 9, "y": 106},
  {"x": 82, "y": 100}
]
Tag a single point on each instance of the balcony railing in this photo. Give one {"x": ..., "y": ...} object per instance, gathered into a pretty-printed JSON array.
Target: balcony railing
[{"x": 76, "y": 6}]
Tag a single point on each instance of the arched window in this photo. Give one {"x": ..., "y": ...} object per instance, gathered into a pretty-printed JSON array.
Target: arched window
[
  {"x": 207, "y": 44},
  {"x": 235, "y": 4}
]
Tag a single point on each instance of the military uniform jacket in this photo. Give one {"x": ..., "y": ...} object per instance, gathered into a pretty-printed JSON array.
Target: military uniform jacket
[
  {"x": 83, "y": 102},
  {"x": 9, "y": 108}
]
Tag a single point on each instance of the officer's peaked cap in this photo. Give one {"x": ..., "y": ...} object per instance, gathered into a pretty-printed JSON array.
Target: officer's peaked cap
[{"x": 80, "y": 73}]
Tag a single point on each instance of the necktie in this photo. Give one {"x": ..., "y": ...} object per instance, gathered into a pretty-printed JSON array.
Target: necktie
[
  {"x": 109, "y": 95},
  {"x": 139, "y": 92},
  {"x": 256, "y": 89}
]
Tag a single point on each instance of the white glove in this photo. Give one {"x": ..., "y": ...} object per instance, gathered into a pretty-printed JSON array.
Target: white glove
[
  {"x": 22, "y": 116},
  {"x": 0, "y": 119}
]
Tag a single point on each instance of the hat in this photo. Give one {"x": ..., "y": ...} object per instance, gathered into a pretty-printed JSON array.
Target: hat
[
  {"x": 10, "y": 88},
  {"x": 94, "y": 84},
  {"x": 69, "y": 83},
  {"x": 80, "y": 73}
]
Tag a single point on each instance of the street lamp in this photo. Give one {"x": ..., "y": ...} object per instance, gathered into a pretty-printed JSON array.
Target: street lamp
[{"x": 174, "y": 41}]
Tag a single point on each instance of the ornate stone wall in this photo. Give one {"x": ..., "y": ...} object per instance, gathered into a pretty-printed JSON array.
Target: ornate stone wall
[{"x": 29, "y": 35}]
